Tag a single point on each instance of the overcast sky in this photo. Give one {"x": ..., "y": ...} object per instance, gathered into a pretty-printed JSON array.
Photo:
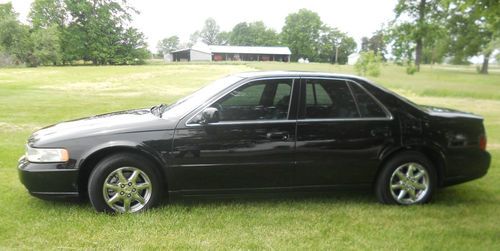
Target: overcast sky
[{"x": 159, "y": 19}]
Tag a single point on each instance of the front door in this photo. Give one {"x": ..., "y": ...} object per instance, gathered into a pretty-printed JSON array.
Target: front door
[
  {"x": 341, "y": 131},
  {"x": 252, "y": 146}
]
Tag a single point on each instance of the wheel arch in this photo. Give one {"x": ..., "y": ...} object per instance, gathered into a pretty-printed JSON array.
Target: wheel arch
[
  {"x": 434, "y": 155},
  {"x": 93, "y": 157}
]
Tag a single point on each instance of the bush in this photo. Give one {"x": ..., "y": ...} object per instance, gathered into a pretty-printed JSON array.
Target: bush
[
  {"x": 411, "y": 69},
  {"x": 368, "y": 64}
]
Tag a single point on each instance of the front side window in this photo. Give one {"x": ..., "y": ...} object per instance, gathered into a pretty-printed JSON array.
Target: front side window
[
  {"x": 327, "y": 99},
  {"x": 259, "y": 100}
]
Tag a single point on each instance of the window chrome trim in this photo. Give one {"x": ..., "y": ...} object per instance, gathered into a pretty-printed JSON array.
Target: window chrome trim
[
  {"x": 250, "y": 122},
  {"x": 342, "y": 119},
  {"x": 215, "y": 98}
]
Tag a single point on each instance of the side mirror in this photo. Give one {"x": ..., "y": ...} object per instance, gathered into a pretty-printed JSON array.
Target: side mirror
[{"x": 210, "y": 115}]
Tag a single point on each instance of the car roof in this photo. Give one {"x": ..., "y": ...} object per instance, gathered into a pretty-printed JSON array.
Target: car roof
[{"x": 260, "y": 74}]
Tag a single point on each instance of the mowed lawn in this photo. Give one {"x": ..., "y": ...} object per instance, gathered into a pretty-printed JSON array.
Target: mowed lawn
[{"x": 463, "y": 217}]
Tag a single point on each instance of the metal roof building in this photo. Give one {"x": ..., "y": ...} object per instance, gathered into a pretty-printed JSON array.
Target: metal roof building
[{"x": 232, "y": 53}]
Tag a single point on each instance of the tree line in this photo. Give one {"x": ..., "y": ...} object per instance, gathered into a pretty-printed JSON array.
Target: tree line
[
  {"x": 67, "y": 31},
  {"x": 422, "y": 31},
  {"x": 99, "y": 31},
  {"x": 304, "y": 33}
]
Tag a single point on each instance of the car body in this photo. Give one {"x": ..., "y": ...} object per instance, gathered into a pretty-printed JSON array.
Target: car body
[{"x": 267, "y": 131}]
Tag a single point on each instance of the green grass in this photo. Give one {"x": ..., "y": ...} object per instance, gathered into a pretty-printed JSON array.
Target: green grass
[{"x": 462, "y": 217}]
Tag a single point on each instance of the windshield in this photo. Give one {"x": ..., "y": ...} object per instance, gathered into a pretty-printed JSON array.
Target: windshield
[{"x": 200, "y": 96}]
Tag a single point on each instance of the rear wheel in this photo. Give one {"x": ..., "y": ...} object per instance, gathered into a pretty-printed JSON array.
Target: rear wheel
[
  {"x": 407, "y": 179},
  {"x": 124, "y": 183}
]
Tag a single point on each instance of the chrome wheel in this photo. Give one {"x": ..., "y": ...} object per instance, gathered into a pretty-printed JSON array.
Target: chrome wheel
[
  {"x": 409, "y": 183},
  {"x": 127, "y": 189}
]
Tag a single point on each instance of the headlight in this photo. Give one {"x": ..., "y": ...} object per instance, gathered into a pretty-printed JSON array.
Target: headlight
[{"x": 46, "y": 154}]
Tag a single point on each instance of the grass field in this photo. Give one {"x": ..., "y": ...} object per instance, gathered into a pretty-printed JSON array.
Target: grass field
[{"x": 463, "y": 217}]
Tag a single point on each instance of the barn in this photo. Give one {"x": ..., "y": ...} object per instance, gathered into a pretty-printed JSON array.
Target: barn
[
  {"x": 232, "y": 53},
  {"x": 195, "y": 53}
]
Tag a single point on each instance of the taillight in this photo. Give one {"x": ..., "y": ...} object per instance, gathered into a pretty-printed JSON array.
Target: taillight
[{"x": 482, "y": 142}]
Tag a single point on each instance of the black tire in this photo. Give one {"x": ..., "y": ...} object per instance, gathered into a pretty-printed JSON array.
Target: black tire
[
  {"x": 125, "y": 163},
  {"x": 388, "y": 193}
]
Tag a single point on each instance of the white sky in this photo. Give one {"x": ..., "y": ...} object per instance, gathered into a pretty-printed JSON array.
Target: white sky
[{"x": 159, "y": 19}]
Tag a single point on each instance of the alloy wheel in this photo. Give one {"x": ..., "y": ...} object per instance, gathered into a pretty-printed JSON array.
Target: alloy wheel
[
  {"x": 127, "y": 189},
  {"x": 409, "y": 183}
]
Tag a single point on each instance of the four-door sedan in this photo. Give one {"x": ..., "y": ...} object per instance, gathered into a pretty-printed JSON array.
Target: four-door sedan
[{"x": 259, "y": 132}]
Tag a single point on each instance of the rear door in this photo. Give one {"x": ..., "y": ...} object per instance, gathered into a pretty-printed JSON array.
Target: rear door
[{"x": 341, "y": 131}]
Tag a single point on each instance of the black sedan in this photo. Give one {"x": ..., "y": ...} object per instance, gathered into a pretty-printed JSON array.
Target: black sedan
[{"x": 254, "y": 133}]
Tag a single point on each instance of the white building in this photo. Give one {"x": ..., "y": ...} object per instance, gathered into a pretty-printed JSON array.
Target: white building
[{"x": 201, "y": 52}]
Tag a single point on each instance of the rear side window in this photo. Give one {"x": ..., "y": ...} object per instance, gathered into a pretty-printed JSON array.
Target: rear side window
[
  {"x": 329, "y": 99},
  {"x": 368, "y": 107}
]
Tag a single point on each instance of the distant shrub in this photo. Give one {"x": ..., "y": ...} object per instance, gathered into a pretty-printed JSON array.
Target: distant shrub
[
  {"x": 6, "y": 59},
  {"x": 368, "y": 64},
  {"x": 411, "y": 69}
]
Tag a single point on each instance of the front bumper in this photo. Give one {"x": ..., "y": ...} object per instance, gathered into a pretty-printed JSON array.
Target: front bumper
[{"x": 48, "y": 180}]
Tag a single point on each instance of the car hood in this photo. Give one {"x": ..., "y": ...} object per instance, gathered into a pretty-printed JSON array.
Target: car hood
[
  {"x": 104, "y": 124},
  {"x": 448, "y": 113}
]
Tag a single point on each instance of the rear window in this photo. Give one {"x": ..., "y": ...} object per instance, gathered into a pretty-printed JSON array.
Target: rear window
[{"x": 368, "y": 106}]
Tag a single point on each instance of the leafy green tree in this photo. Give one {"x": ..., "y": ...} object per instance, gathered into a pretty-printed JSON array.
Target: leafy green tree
[
  {"x": 253, "y": 34},
  {"x": 376, "y": 43},
  {"x": 46, "y": 43},
  {"x": 7, "y": 11},
  {"x": 413, "y": 26},
  {"x": 474, "y": 29},
  {"x": 223, "y": 37},
  {"x": 368, "y": 64},
  {"x": 168, "y": 45},
  {"x": 98, "y": 32},
  {"x": 335, "y": 46},
  {"x": 132, "y": 48},
  {"x": 401, "y": 38},
  {"x": 47, "y": 13},
  {"x": 210, "y": 32},
  {"x": 301, "y": 33},
  {"x": 14, "y": 37}
]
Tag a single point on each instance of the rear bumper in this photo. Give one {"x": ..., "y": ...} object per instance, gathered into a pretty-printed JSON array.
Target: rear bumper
[
  {"x": 48, "y": 180},
  {"x": 469, "y": 169}
]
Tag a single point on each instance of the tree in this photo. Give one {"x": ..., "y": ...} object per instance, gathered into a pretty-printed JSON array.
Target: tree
[
  {"x": 210, "y": 32},
  {"x": 253, "y": 34},
  {"x": 368, "y": 64},
  {"x": 474, "y": 29},
  {"x": 335, "y": 46},
  {"x": 301, "y": 33},
  {"x": 376, "y": 43},
  {"x": 132, "y": 48},
  {"x": 14, "y": 37},
  {"x": 168, "y": 45},
  {"x": 193, "y": 38},
  {"x": 98, "y": 32},
  {"x": 46, "y": 45},
  {"x": 223, "y": 37},
  {"x": 47, "y": 13},
  {"x": 7, "y": 11},
  {"x": 420, "y": 18}
]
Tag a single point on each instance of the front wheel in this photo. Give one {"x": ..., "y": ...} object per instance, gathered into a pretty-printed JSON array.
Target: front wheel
[
  {"x": 407, "y": 179},
  {"x": 124, "y": 183}
]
